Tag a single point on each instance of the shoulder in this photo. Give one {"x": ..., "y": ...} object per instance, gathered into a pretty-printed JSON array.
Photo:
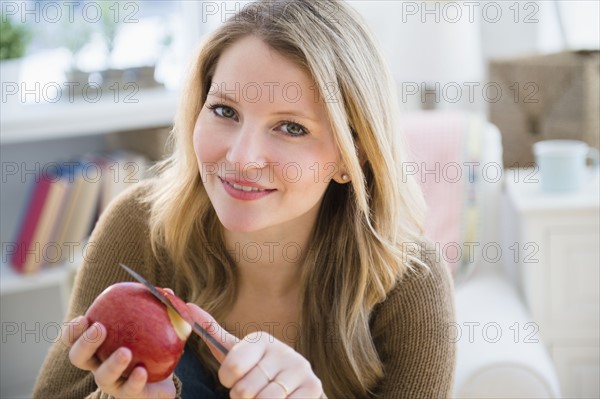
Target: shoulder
[
  {"x": 123, "y": 227},
  {"x": 424, "y": 293},
  {"x": 130, "y": 204},
  {"x": 410, "y": 330},
  {"x": 126, "y": 216}
]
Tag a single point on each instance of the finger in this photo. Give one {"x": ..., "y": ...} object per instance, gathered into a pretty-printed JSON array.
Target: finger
[
  {"x": 291, "y": 371},
  {"x": 290, "y": 379},
  {"x": 73, "y": 329},
  {"x": 170, "y": 290},
  {"x": 82, "y": 353},
  {"x": 213, "y": 328},
  {"x": 251, "y": 384},
  {"x": 242, "y": 358},
  {"x": 303, "y": 393},
  {"x": 284, "y": 367},
  {"x": 135, "y": 383},
  {"x": 109, "y": 373},
  {"x": 307, "y": 386},
  {"x": 274, "y": 390}
]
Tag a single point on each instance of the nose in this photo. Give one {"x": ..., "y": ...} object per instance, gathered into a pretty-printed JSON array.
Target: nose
[{"x": 249, "y": 148}]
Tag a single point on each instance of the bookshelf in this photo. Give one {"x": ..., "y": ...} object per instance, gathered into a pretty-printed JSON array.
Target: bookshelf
[
  {"x": 13, "y": 282},
  {"x": 32, "y": 135},
  {"x": 35, "y": 122}
]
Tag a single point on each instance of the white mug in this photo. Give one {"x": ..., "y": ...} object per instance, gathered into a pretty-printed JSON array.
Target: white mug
[{"x": 563, "y": 164}]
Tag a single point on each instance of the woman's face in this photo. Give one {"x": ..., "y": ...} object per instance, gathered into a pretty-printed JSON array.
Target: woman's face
[{"x": 263, "y": 141}]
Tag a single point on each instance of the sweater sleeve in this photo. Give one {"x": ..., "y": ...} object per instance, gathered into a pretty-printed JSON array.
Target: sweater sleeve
[
  {"x": 121, "y": 235},
  {"x": 410, "y": 331}
]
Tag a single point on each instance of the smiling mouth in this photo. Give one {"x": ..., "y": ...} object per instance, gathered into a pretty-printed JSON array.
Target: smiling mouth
[{"x": 247, "y": 189}]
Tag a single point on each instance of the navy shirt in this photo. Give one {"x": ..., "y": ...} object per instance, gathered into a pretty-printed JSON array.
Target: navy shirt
[{"x": 196, "y": 381}]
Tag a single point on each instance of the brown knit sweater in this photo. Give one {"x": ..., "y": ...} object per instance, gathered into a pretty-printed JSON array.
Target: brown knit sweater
[{"x": 409, "y": 329}]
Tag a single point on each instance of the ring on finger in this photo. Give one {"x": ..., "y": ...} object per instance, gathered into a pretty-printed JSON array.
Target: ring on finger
[{"x": 282, "y": 385}]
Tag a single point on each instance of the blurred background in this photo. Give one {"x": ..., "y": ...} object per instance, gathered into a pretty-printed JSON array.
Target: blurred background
[{"x": 89, "y": 90}]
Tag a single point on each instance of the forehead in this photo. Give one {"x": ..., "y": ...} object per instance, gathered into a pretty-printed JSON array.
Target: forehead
[{"x": 253, "y": 72}]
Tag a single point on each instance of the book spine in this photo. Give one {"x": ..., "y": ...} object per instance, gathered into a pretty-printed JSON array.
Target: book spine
[{"x": 26, "y": 247}]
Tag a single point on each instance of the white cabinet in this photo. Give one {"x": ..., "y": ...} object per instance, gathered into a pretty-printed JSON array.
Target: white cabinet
[
  {"x": 578, "y": 369},
  {"x": 559, "y": 276}
]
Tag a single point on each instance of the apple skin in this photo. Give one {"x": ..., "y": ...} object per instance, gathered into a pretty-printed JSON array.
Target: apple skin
[{"x": 135, "y": 319}]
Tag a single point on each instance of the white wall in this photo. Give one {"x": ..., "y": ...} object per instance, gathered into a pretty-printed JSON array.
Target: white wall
[{"x": 452, "y": 41}]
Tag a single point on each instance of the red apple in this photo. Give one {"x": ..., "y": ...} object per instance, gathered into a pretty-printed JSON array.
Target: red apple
[{"x": 134, "y": 318}]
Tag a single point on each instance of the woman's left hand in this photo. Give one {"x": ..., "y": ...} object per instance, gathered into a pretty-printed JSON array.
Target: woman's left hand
[{"x": 259, "y": 366}]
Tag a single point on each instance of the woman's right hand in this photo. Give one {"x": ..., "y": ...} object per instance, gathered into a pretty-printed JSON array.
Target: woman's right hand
[{"x": 84, "y": 340}]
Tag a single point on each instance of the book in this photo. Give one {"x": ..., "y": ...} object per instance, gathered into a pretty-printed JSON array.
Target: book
[
  {"x": 41, "y": 216},
  {"x": 62, "y": 207},
  {"x": 65, "y": 219},
  {"x": 121, "y": 169},
  {"x": 45, "y": 250},
  {"x": 31, "y": 216},
  {"x": 83, "y": 203}
]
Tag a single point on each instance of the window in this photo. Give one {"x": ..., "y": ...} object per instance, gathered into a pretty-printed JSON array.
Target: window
[{"x": 101, "y": 43}]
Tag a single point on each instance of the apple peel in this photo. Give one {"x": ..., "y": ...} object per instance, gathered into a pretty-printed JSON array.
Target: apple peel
[
  {"x": 182, "y": 308},
  {"x": 178, "y": 304}
]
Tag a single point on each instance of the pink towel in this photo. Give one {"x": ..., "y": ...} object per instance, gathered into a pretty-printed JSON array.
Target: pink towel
[{"x": 440, "y": 156}]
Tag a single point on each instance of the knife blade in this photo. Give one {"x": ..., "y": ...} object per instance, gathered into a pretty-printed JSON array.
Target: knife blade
[{"x": 197, "y": 328}]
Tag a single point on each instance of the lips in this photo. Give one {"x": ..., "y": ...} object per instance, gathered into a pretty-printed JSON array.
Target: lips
[{"x": 245, "y": 190}]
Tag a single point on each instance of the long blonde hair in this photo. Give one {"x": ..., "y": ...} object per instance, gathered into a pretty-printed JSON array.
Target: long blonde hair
[{"x": 356, "y": 254}]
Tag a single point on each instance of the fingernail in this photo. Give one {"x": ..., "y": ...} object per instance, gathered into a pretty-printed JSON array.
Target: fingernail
[
  {"x": 77, "y": 322},
  {"x": 93, "y": 333},
  {"x": 122, "y": 355},
  {"x": 98, "y": 328}
]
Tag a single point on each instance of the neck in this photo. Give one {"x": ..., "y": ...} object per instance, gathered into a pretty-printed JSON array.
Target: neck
[{"x": 269, "y": 261}]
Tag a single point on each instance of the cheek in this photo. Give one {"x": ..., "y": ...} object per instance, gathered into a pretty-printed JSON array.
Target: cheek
[
  {"x": 196, "y": 142},
  {"x": 310, "y": 171},
  {"x": 202, "y": 151},
  {"x": 197, "y": 137},
  {"x": 205, "y": 146}
]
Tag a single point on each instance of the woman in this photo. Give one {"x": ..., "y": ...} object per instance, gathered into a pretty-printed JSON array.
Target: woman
[{"x": 283, "y": 213}]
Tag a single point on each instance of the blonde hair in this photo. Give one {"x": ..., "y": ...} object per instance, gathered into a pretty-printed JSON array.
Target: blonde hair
[{"x": 345, "y": 273}]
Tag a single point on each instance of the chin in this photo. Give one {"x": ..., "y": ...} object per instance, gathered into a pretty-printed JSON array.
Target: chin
[{"x": 244, "y": 224}]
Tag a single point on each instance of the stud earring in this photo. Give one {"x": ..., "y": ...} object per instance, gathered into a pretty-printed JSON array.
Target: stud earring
[{"x": 345, "y": 177}]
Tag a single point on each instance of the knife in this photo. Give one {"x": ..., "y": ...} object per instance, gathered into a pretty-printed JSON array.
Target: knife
[{"x": 197, "y": 328}]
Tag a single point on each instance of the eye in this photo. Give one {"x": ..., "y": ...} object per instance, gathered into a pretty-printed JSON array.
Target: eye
[
  {"x": 292, "y": 128},
  {"x": 222, "y": 111}
]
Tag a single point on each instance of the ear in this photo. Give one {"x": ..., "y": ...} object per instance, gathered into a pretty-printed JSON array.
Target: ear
[{"x": 342, "y": 176}]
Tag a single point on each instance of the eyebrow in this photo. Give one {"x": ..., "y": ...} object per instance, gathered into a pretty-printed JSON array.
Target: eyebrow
[
  {"x": 218, "y": 93},
  {"x": 226, "y": 96}
]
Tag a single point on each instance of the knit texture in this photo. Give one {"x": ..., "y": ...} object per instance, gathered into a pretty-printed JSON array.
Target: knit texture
[{"x": 409, "y": 328}]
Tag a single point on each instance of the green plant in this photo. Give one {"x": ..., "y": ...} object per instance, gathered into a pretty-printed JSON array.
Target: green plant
[
  {"x": 14, "y": 38},
  {"x": 109, "y": 25}
]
